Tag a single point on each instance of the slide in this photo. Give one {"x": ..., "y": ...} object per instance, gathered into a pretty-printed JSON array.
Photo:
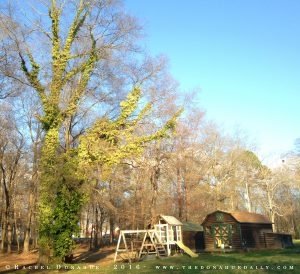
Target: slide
[{"x": 187, "y": 250}]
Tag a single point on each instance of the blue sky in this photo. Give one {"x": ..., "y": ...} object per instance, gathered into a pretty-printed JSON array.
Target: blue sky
[{"x": 244, "y": 56}]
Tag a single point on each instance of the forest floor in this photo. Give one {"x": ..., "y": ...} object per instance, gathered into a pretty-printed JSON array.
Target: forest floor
[
  {"x": 27, "y": 263},
  {"x": 101, "y": 261}
]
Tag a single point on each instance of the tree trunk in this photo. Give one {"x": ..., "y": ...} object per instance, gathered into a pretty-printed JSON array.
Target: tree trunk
[
  {"x": 272, "y": 213},
  {"x": 17, "y": 232},
  {"x": 87, "y": 223},
  {"x": 186, "y": 201},
  {"x": 248, "y": 198},
  {"x": 273, "y": 221},
  {"x": 101, "y": 221},
  {"x": 296, "y": 229},
  {"x": 154, "y": 183},
  {"x": 111, "y": 229},
  {"x": 34, "y": 232},
  {"x": 100, "y": 242},
  {"x": 3, "y": 235},
  {"x": 153, "y": 207},
  {"x": 179, "y": 194},
  {"x": 6, "y": 219},
  {"x": 32, "y": 197},
  {"x": 46, "y": 194},
  {"x": 96, "y": 227},
  {"x": 9, "y": 237},
  {"x": 91, "y": 237},
  {"x": 26, "y": 245}
]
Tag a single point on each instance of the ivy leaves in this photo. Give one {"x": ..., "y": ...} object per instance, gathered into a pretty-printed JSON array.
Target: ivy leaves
[{"x": 108, "y": 142}]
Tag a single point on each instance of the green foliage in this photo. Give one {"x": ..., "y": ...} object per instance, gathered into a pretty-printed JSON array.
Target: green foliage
[
  {"x": 108, "y": 142},
  {"x": 65, "y": 218},
  {"x": 128, "y": 106},
  {"x": 60, "y": 201},
  {"x": 49, "y": 183}
]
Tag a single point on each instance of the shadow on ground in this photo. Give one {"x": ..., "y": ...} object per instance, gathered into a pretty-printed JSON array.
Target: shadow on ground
[{"x": 95, "y": 256}]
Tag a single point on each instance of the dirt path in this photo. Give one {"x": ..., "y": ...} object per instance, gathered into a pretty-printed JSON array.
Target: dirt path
[
  {"x": 82, "y": 255},
  {"x": 21, "y": 259}
]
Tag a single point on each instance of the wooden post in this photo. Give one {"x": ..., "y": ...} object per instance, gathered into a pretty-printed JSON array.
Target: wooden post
[
  {"x": 142, "y": 246},
  {"x": 118, "y": 245},
  {"x": 168, "y": 240},
  {"x": 126, "y": 247}
]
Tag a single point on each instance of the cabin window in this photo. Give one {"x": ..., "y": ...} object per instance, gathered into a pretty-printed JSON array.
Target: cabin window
[
  {"x": 163, "y": 233},
  {"x": 170, "y": 233},
  {"x": 178, "y": 233},
  {"x": 219, "y": 217},
  {"x": 233, "y": 229}
]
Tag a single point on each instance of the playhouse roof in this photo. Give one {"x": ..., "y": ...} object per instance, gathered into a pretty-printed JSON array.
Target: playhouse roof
[
  {"x": 192, "y": 227},
  {"x": 170, "y": 220}
]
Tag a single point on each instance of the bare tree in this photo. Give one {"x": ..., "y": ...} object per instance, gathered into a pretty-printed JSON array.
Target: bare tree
[{"x": 11, "y": 152}]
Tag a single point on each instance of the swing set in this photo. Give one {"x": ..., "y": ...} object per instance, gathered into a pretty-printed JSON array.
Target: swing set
[
  {"x": 165, "y": 236},
  {"x": 135, "y": 244}
]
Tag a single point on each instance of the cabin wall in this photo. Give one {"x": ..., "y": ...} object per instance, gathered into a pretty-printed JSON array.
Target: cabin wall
[
  {"x": 194, "y": 240},
  {"x": 253, "y": 235},
  {"x": 213, "y": 222},
  {"x": 278, "y": 240}
]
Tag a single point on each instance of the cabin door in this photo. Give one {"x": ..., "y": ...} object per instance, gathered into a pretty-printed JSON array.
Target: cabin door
[{"x": 222, "y": 235}]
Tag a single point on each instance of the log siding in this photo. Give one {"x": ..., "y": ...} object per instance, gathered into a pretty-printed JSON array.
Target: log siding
[{"x": 224, "y": 232}]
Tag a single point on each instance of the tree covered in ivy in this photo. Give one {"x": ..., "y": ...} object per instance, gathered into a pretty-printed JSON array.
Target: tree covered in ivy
[{"x": 74, "y": 54}]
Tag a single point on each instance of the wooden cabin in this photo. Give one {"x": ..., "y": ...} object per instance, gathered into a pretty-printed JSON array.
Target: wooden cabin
[
  {"x": 192, "y": 236},
  {"x": 235, "y": 230}
]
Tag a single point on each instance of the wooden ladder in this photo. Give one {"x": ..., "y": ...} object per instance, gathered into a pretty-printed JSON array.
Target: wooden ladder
[{"x": 161, "y": 249}]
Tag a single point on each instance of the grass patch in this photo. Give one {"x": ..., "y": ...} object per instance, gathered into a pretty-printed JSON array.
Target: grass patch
[{"x": 263, "y": 261}]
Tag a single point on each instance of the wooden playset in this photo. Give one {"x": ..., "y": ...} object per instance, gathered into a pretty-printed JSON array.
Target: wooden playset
[{"x": 160, "y": 240}]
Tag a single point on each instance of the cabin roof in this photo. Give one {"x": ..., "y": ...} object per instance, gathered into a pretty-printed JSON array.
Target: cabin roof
[
  {"x": 249, "y": 217},
  {"x": 245, "y": 217},
  {"x": 170, "y": 220}
]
